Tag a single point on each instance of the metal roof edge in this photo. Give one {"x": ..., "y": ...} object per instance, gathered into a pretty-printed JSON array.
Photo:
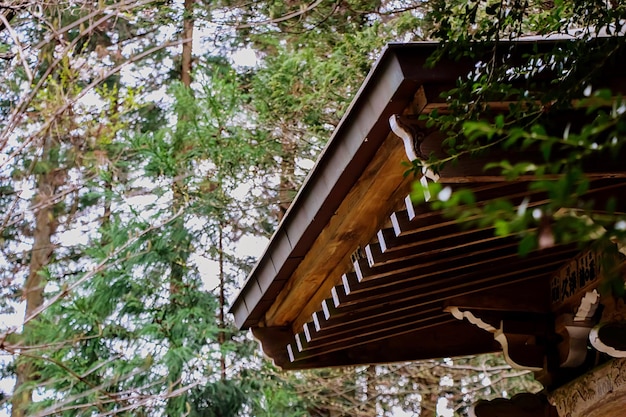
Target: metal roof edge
[{"x": 279, "y": 237}]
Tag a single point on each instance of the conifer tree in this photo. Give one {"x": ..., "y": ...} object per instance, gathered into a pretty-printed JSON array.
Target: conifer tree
[{"x": 178, "y": 155}]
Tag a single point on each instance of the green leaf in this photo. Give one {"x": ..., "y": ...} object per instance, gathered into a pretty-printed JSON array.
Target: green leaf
[
  {"x": 502, "y": 227},
  {"x": 527, "y": 244},
  {"x": 499, "y": 121},
  {"x": 546, "y": 150}
]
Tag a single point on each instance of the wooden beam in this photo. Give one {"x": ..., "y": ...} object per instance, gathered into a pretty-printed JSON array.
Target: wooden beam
[
  {"x": 338, "y": 319},
  {"x": 431, "y": 240},
  {"x": 444, "y": 286},
  {"x": 273, "y": 342},
  {"x": 321, "y": 329},
  {"x": 417, "y": 319},
  {"x": 369, "y": 337},
  {"x": 471, "y": 169},
  {"x": 439, "y": 262},
  {"x": 529, "y": 296},
  {"x": 420, "y": 217},
  {"x": 376, "y": 256},
  {"x": 445, "y": 340},
  {"x": 503, "y": 261},
  {"x": 355, "y": 221}
]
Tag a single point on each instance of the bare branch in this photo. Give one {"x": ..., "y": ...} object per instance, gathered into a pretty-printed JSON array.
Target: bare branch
[
  {"x": 48, "y": 123},
  {"x": 18, "y": 45},
  {"x": 282, "y": 18}
]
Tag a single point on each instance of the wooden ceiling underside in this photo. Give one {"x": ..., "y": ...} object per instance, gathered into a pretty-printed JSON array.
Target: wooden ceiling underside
[
  {"x": 310, "y": 306},
  {"x": 421, "y": 262}
]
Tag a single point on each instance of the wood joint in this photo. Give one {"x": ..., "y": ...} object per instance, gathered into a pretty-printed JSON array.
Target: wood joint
[
  {"x": 412, "y": 135},
  {"x": 520, "y": 350},
  {"x": 574, "y": 331},
  {"x": 357, "y": 255},
  {"x": 517, "y": 338}
]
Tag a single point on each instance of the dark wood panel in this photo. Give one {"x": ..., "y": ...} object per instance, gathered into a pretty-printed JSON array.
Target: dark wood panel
[
  {"x": 451, "y": 260},
  {"x": 367, "y": 338},
  {"x": 370, "y": 327},
  {"x": 442, "y": 288},
  {"x": 507, "y": 292},
  {"x": 375, "y": 255},
  {"x": 448, "y": 339},
  {"x": 504, "y": 260},
  {"x": 528, "y": 296},
  {"x": 322, "y": 325}
]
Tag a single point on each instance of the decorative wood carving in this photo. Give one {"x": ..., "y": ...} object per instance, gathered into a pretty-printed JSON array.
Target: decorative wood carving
[
  {"x": 518, "y": 339},
  {"x": 599, "y": 393},
  {"x": 520, "y": 405},
  {"x": 412, "y": 137},
  {"x": 573, "y": 348},
  {"x": 520, "y": 350},
  {"x": 574, "y": 330},
  {"x": 588, "y": 306},
  {"x": 460, "y": 315},
  {"x": 571, "y": 282},
  {"x": 610, "y": 338}
]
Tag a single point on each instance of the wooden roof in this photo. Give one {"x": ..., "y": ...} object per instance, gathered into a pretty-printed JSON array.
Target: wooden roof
[{"x": 356, "y": 273}]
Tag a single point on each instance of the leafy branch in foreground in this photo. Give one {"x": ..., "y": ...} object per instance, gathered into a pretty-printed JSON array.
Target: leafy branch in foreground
[{"x": 544, "y": 120}]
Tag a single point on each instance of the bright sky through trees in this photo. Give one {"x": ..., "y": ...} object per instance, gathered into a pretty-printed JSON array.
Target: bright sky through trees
[{"x": 138, "y": 185}]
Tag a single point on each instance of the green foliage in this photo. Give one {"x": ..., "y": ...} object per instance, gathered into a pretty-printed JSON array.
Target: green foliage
[
  {"x": 567, "y": 121},
  {"x": 155, "y": 183},
  {"x": 218, "y": 399}
]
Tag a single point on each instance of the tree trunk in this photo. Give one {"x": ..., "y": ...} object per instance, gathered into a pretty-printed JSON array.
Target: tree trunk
[
  {"x": 222, "y": 300},
  {"x": 178, "y": 193},
  {"x": 33, "y": 291},
  {"x": 188, "y": 22}
]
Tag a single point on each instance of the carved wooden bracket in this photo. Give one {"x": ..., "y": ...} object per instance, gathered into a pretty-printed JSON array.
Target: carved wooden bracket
[
  {"x": 588, "y": 306},
  {"x": 520, "y": 349},
  {"x": 478, "y": 322},
  {"x": 609, "y": 336},
  {"x": 575, "y": 329},
  {"x": 573, "y": 348},
  {"x": 412, "y": 136},
  {"x": 517, "y": 338}
]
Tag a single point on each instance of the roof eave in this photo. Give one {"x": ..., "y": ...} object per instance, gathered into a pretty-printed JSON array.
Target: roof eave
[{"x": 350, "y": 148}]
